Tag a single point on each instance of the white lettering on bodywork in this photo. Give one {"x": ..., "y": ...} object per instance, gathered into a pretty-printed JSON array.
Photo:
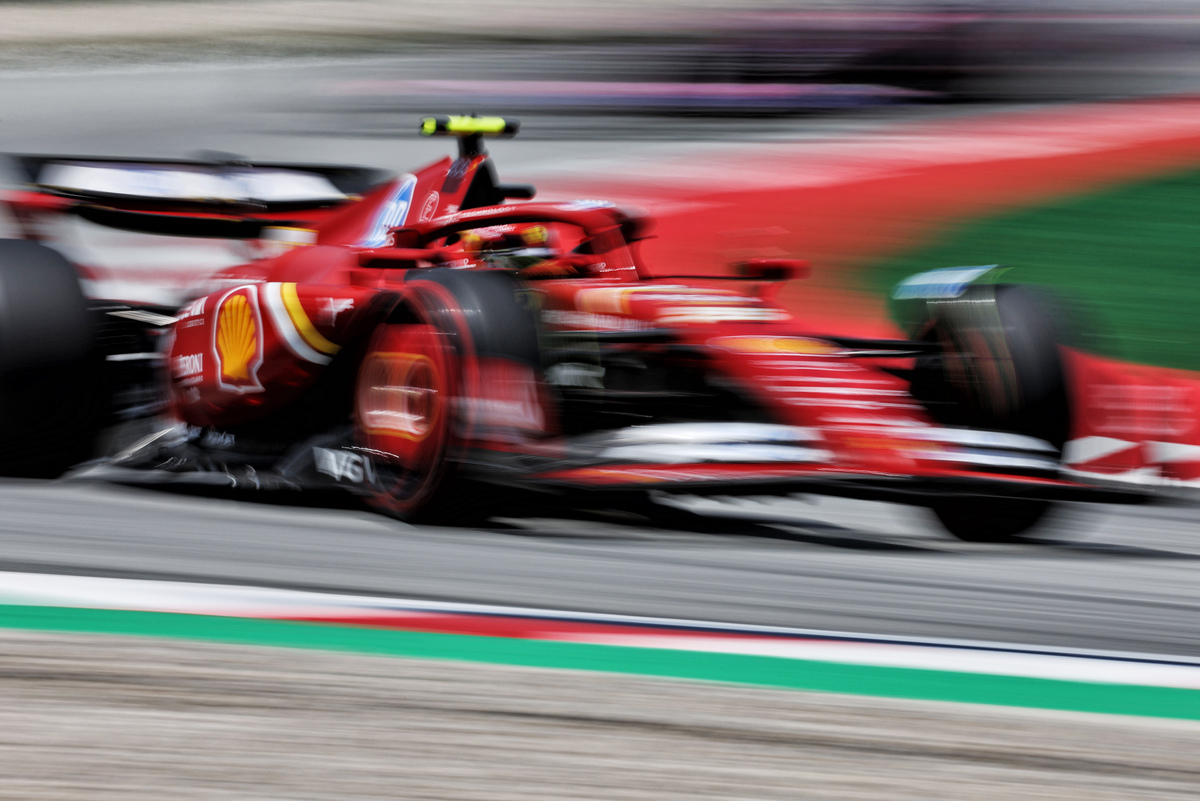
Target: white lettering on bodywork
[
  {"x": 339, "y": 464},
  {"x": 189, "y": 364}
]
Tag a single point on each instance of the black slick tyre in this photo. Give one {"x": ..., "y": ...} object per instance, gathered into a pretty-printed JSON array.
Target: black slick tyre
[
  {"x": 51, "y": 377},
  {"x": 990, "y": 519},
  {"x": 1000, "y": 366}
]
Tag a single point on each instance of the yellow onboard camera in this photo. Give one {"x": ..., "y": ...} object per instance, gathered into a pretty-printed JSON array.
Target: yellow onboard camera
[
  {"x": 470, "y": 131},
  {"x": 469, "y": 126}
]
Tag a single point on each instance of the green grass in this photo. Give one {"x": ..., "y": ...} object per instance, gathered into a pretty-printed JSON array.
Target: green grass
[{"x": 1130, "y": 255}]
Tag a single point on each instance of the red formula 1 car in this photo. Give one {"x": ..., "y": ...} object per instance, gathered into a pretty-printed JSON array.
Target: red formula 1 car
[{"x": 418, "y": 339}]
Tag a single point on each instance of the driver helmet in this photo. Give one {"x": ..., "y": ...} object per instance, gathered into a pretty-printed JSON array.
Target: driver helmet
[{"x": 516, "y": 246}]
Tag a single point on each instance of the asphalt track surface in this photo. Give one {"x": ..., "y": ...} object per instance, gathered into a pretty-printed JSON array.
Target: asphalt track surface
[
  {"x": 1117, "y": 579},
  {"x": 1123, "y": 580}
]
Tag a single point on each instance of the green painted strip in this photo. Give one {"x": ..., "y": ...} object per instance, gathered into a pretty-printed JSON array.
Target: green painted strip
[{"x": 1164, "y": 702}]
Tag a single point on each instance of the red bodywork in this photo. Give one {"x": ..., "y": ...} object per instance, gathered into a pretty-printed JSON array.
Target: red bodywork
[
  {"x": 258, "y": 337},
  {"x": 257, "y": 343}
]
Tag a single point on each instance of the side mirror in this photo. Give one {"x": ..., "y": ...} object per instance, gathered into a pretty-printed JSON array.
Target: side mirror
[
  {"x": 637, "y": 225},
  {"x": 773, "y": 269}
]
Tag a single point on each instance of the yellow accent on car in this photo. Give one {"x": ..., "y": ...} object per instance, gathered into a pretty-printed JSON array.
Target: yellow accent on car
[
  {"x": 308, "y": 332},
  {"x": 755, "y": 345},
  {"x": 467, "y": 126}
]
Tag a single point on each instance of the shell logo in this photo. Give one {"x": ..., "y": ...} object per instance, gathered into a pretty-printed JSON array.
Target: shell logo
[
  {"x": 237, "y": 340},
  {"x": 775, "y": 345}
]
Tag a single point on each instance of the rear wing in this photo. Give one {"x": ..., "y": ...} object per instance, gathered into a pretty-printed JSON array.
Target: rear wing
[
  {"x": 220, "y": 199},
  {"x": 226, "y": 198},
  {"x": 181, "y": 185}
]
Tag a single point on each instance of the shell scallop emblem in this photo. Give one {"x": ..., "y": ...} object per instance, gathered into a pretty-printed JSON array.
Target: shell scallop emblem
[{"x": 238, "y": 341}]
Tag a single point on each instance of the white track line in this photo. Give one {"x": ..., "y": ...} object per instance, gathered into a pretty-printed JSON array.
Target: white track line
[{"x": 827, "y": 646}]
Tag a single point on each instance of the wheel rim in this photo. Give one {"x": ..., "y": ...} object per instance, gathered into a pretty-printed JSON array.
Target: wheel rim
[{"x": 403, "y": 398}]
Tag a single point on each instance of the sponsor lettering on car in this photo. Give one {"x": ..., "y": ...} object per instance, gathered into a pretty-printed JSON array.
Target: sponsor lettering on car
[
  {"x": 344, "y": 465},
  {"x": 187, "y": 364},
  {"x": 391, "y": 214},
  {"x": 429, "y": 208},
  {"x": 589, "y": 321},
  {"x": 719, "y": 314}
]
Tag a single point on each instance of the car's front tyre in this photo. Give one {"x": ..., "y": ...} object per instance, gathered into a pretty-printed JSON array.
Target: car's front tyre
[{"x": 991, "y": 519}]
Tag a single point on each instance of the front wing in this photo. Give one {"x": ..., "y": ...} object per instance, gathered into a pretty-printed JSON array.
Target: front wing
[
  {"x": 687, "y": 458},
  {"x": 764, "y": 459}
]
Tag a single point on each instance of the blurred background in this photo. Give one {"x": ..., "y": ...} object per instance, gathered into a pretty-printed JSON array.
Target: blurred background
[{"x": 750, "y": 129}]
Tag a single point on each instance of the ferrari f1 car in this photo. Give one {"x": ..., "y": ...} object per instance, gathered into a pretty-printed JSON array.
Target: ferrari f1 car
[{"x": 417, "y": 339}]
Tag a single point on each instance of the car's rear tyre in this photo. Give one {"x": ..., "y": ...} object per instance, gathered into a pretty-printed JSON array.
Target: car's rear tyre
[
  {"x": 417, "y": 373},
  {"x": 51, "y": 387},
  {"x": 991, "y": 519}
]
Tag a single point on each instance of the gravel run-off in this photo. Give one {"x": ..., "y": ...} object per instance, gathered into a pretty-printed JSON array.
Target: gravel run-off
[{"x": 86, "y": 716}]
